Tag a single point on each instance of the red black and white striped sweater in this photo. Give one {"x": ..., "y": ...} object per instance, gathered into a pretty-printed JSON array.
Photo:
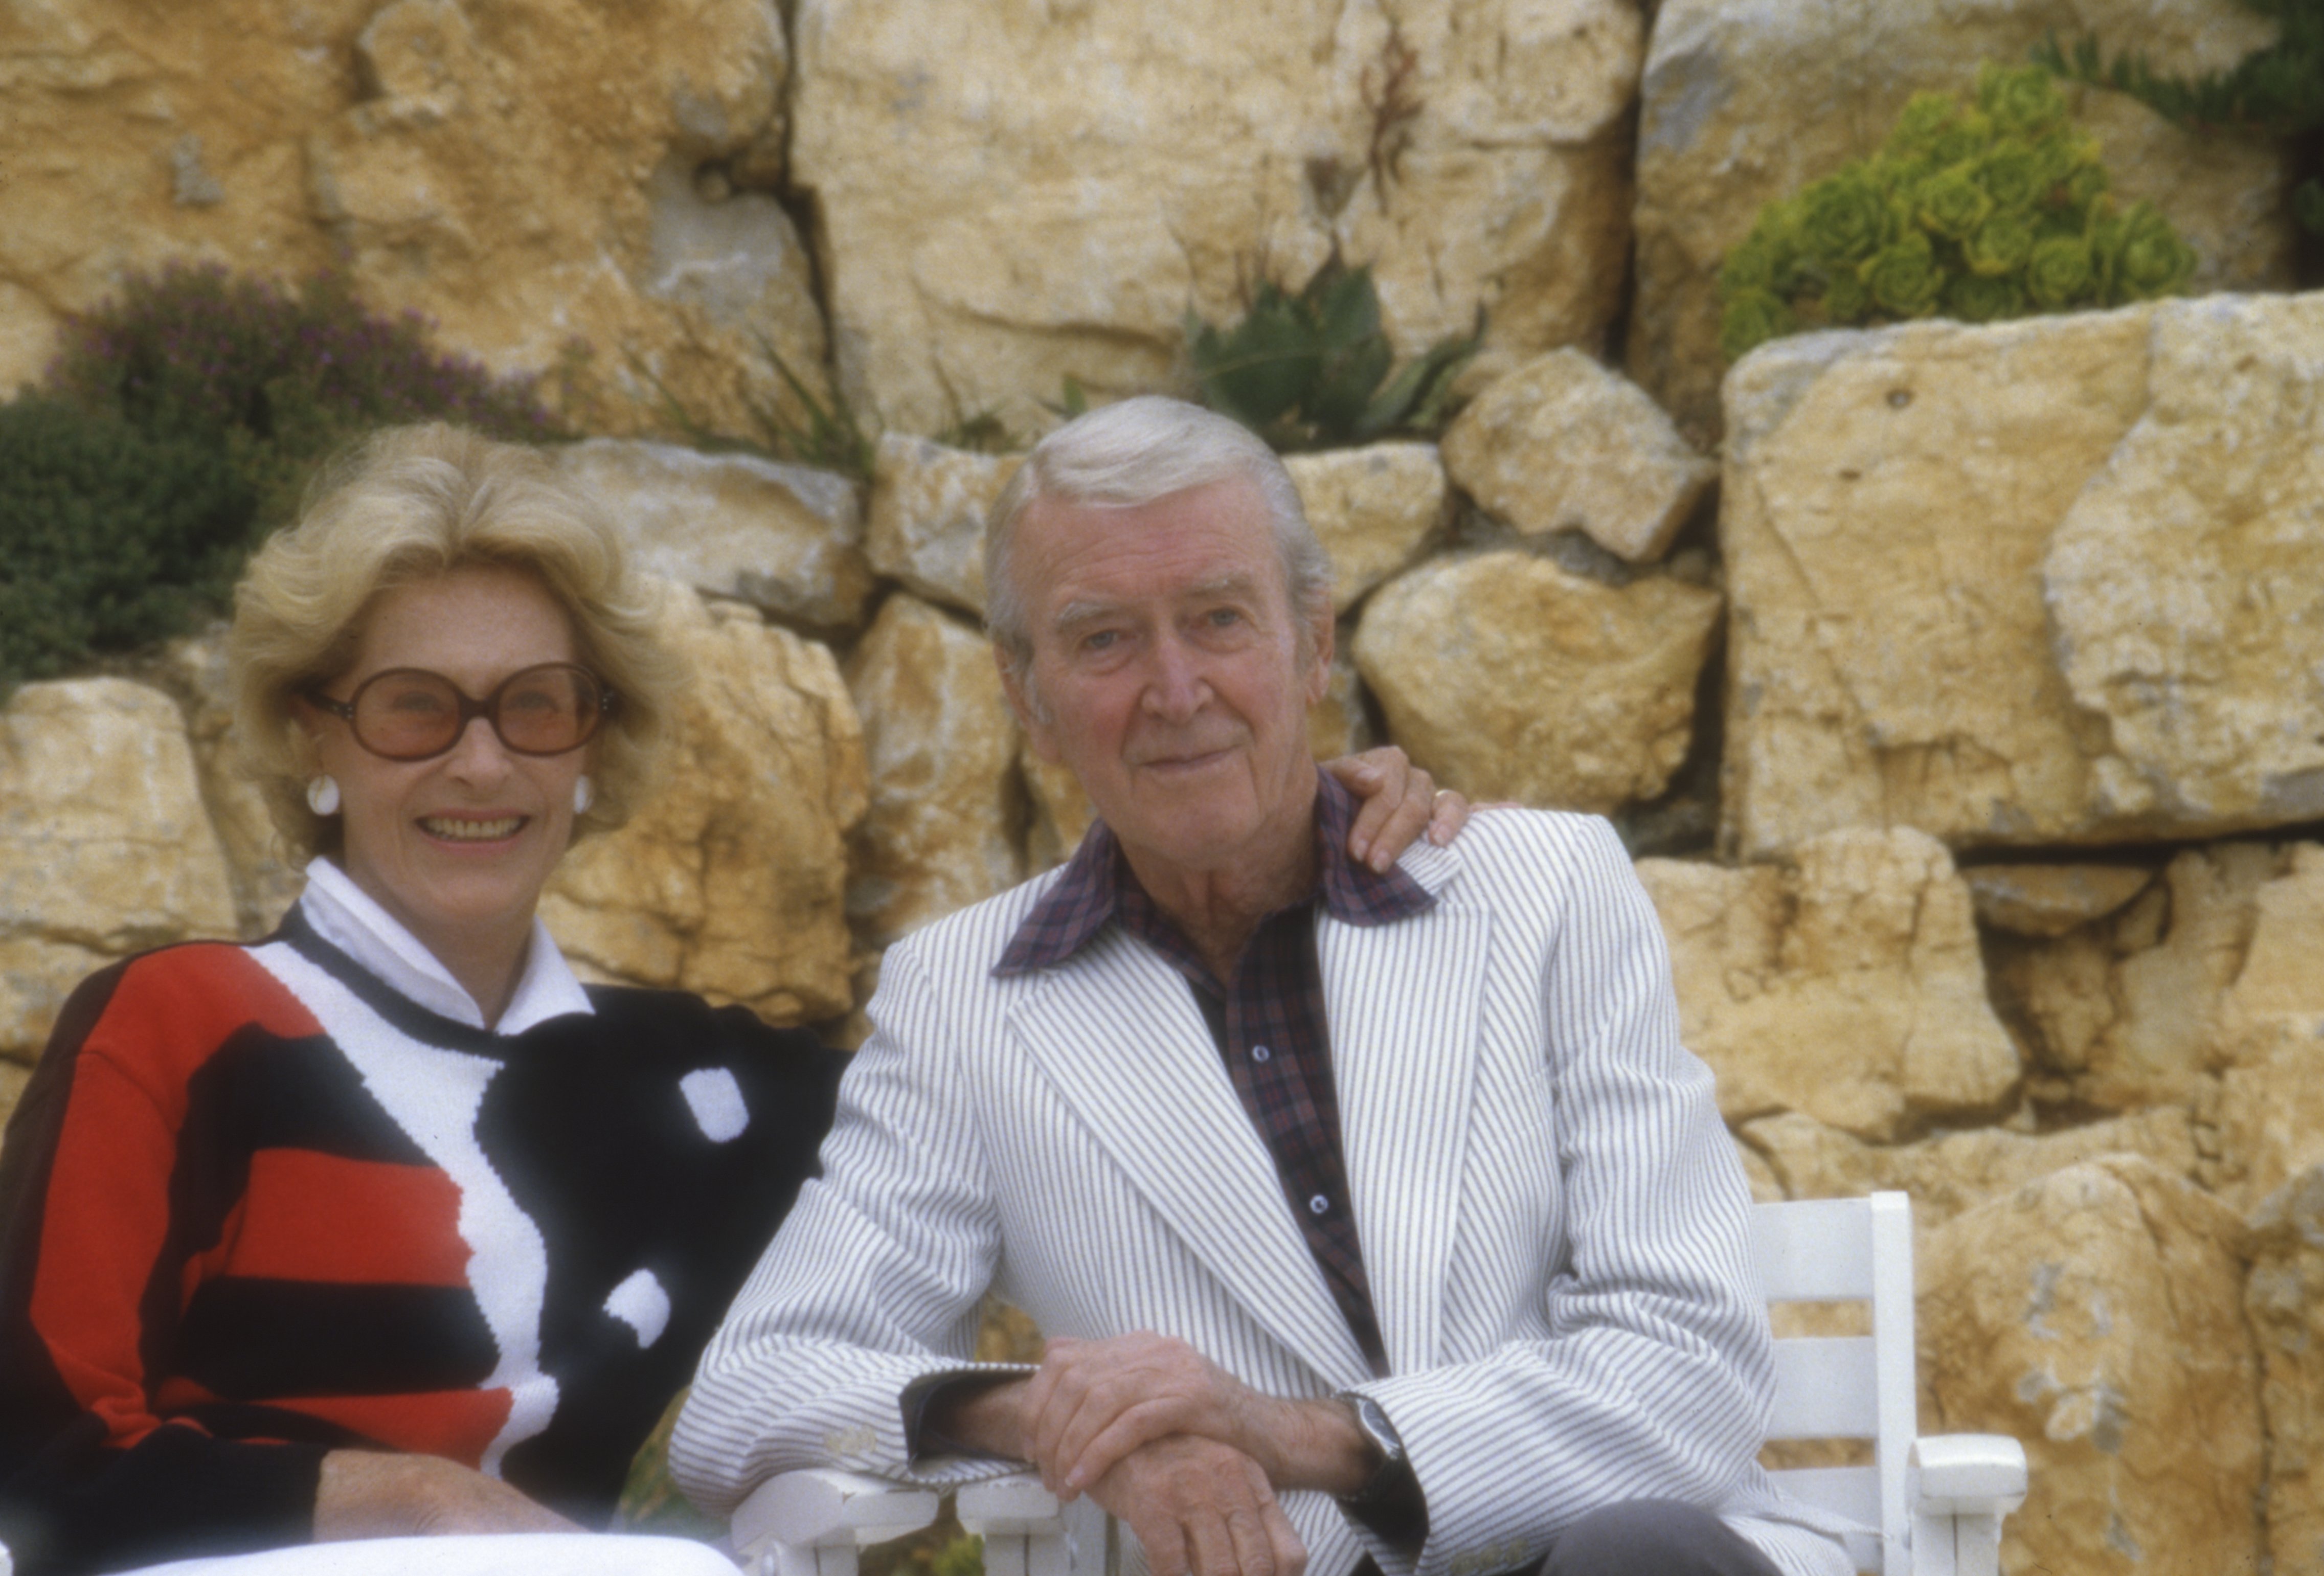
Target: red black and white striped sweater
[{"x": 256, "y": 1204}]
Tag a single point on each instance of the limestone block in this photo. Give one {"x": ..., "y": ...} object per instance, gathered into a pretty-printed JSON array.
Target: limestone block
[
  {"x": 928, "y": 507},
  {"x": 1375, "y": 509},
  {"x": 2282, "y": 1297},
  {"x": 1847, "y": 987},
  {"x": 2097, "y": 1315},
  {"x": 1511, "y": 678},
  {"x": 1338, "y": 724},
  {"x": 533, "y": 176},
  {"x": 12, "y": 1079},
  {"x": 2130, "y": 1009},
  {"x": 1471, "y": 154},
  {"x": 785, "y": 539},
  {"x": 942, "y": 749},
  {"x": 2271, "y": 1112},
  {"x": 2051, "y": 899},
  {"x": 2185, "y": 584},
  {"x": 2270, "y": 1036},
  {"x": 36, "y": 976},
  {"x": 730, "y": 881},
  {"x": 1951, "y": 610},
  {"x": 1062, "y": 813},
  {"x": 266, "y": 881},
  {"x": 1745, "y": 101},
  {"x": 107, "y": 842},
  {"x": 1953, "y": 1172},
  {"x": 104, "y": 846},
  {"x": 1562, "y": 443}
]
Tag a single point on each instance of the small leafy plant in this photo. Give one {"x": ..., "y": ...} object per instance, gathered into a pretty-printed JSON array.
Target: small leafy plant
[
  {"x": 1312, "y": 370},
  {"x": 1983, "y": 210},
  {"x": 2275, "y": 91}
]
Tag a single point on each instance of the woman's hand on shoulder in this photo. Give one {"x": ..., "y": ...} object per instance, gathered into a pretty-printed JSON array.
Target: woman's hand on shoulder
[
  {"x": 381, "y": 1494},
  {"x": 1397, "y": 801}
]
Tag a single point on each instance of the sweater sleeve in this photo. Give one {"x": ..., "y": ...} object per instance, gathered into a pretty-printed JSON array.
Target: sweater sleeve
[{"x": 95, "y": 1257}]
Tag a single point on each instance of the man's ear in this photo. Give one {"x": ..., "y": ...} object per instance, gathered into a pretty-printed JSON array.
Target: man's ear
[
  {"x": 1323, "y": 629},
  {"x": 1015, "y": 682}
]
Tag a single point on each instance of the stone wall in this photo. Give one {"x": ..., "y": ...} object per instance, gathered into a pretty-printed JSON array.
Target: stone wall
[{"x": 1957, "y": 689}]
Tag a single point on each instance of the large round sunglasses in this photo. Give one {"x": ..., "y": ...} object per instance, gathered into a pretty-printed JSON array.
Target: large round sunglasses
[{"x": 409, "y": 714}]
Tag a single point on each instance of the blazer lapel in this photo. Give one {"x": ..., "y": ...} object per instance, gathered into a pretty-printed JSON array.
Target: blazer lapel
[
  {"x": 1402, "y": 1000},
  {"x": 1120, "y": 1037}
]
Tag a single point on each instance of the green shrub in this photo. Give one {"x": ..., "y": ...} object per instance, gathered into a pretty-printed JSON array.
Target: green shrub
[
  {"x": 1311, "y": 371},
  {"x": 110, "y": 537},
  {"x": 1981, "y": 210}
]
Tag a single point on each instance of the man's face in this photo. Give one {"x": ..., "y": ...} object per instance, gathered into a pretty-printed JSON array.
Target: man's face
[{"x": 1169, "y": 672}]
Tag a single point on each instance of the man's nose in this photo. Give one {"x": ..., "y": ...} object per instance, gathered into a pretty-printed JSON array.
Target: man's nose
[{"x": 1175, "y": 687}]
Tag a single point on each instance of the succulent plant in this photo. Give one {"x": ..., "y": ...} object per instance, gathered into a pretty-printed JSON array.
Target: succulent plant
[
  {"x": 1986, "y": 209},
  {"x": 1313, "y": 370}
]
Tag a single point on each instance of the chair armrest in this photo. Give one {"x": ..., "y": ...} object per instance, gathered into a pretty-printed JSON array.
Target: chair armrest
[
  {"x": 1967, "y": 1474},
  {"x": 823, "y": 1507},
  {"x": 1016, "y": 1503}
]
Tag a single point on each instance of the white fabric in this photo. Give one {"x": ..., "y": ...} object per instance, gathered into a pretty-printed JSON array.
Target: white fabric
[
  {"x": 352, "y": 920},
  {"x": 640, "y": 1303},
  {"x": 509, "y": 1554},
  {"x": 1552, "y": 1216},
  {"x": 715, "y": 1098},
  {"x": 434, "y": 1094}
]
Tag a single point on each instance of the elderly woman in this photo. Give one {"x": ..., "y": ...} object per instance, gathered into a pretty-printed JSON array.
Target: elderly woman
[{"x": 386, "y": 1226}]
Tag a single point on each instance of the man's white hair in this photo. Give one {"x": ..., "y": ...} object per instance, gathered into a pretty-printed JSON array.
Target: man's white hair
[{"x": 1131, "y": 454}]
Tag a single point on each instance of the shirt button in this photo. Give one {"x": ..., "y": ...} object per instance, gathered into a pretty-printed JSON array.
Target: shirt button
[
  {"x": 1319, "y": 1204},
  {"x": 1260, "y": 1053}
]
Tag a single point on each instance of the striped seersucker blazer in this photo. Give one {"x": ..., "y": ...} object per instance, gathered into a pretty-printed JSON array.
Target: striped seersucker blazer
[{"x": 1552, "y": 1216}]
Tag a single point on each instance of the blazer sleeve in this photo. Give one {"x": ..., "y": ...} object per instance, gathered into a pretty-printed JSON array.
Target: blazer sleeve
[
  {"x": 1655, "y": 1375},
  {"x": 93, "y": 1253},
  {"x": 873, "y": 1282}
]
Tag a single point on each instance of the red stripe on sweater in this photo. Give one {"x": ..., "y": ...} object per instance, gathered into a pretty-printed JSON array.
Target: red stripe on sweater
[
  {"x": 311, "y": 1217},
  {"x": 107, "y": 1215}
]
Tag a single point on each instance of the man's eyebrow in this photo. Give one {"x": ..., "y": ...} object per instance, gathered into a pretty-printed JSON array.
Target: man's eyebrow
[
  {"x": 1231, "y": 582},
  {"x": 1080, "y": 613}
]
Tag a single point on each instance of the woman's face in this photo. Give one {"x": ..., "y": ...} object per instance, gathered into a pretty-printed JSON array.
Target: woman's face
[{"x": 458, "y": 847}]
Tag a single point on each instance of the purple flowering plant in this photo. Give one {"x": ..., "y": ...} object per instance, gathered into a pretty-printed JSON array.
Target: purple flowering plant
[{"x": 177, "y": 425}]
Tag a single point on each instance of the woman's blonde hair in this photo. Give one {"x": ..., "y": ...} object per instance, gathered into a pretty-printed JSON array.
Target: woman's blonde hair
[{"x": 408, "y": 505}]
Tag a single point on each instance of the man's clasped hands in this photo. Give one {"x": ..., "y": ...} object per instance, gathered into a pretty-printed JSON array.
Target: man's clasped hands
[{"x": 1180, "y": 1449}]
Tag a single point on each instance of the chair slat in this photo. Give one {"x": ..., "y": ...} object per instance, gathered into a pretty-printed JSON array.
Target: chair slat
[
  {"x": 1813, "y": 1250},
  {"x": 1827, "y": 1387}
]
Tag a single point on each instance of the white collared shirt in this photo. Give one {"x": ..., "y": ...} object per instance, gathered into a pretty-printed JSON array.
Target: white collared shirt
[{"x": 348, "y": 917}]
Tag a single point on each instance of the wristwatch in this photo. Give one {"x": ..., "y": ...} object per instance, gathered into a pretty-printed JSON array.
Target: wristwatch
[{"x": 1390, "y": 1444}]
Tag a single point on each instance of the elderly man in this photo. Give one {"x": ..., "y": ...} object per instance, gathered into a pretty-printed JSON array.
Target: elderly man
[{"x": 1369, "y": 1215}]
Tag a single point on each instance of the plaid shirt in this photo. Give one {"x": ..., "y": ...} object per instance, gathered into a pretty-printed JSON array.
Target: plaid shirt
[{"x": 1268, "y": 1020}]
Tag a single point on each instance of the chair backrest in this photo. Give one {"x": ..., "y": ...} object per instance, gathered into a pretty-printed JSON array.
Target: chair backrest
[{"x": 1860, "y": 1387}]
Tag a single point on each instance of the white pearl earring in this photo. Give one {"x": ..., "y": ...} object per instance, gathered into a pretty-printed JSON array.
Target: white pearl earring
[
  {"x": 323, "y": 794},
  {"x": 585, "y": 795}
]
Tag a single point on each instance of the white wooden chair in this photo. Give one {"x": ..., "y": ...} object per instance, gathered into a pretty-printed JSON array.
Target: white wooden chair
[{"x": 1927, "y": 1507}]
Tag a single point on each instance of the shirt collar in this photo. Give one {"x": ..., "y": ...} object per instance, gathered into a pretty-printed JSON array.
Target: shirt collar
[
  {"x": 345, "y": 916},
  {"x": 1087, "y": 893}
]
